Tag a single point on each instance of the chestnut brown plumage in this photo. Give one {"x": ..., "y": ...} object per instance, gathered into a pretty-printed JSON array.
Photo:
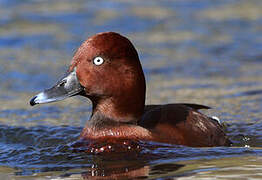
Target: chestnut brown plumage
[{"x": 117, "y": 87}]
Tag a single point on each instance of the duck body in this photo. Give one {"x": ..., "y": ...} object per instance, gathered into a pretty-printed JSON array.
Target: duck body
[
  {"x": 106, "y": 69},
  {"x": 180, "y": 124}
]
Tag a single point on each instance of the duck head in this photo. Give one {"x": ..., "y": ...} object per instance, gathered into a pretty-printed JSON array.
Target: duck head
[{"x": 106, "y": 69}]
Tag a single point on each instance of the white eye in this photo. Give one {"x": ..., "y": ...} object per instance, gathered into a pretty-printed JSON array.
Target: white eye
[{"x": 98, "y": 61}]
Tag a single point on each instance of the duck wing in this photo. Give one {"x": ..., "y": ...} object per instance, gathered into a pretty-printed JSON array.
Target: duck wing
[{"x": 183, "y": 124}]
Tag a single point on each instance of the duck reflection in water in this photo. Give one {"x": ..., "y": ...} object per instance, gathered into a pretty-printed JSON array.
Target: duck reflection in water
[{"x": 124, "y": 163}]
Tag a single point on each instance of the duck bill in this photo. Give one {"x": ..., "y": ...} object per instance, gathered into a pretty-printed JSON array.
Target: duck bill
[{"x": 67, "y": 87}]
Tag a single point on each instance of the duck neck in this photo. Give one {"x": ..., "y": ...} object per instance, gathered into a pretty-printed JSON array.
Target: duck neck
[{"x": 116, "y": 111}]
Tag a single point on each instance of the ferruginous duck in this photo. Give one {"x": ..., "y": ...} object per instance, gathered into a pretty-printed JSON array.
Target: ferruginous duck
[{"x": 106, "y": 69}]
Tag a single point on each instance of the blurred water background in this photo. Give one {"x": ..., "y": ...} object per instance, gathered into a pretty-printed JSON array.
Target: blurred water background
[{"x": 206, "y": 52}]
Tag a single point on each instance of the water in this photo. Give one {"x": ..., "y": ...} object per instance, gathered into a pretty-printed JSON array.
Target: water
[{"x": 206, "y": 52}]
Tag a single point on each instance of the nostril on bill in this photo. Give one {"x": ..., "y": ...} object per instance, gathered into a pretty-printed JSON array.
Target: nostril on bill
[{"x": 62, "y": 83}]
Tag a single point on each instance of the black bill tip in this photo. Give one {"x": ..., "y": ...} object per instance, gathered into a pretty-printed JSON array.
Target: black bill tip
[{"x": 32, "y": 101}]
